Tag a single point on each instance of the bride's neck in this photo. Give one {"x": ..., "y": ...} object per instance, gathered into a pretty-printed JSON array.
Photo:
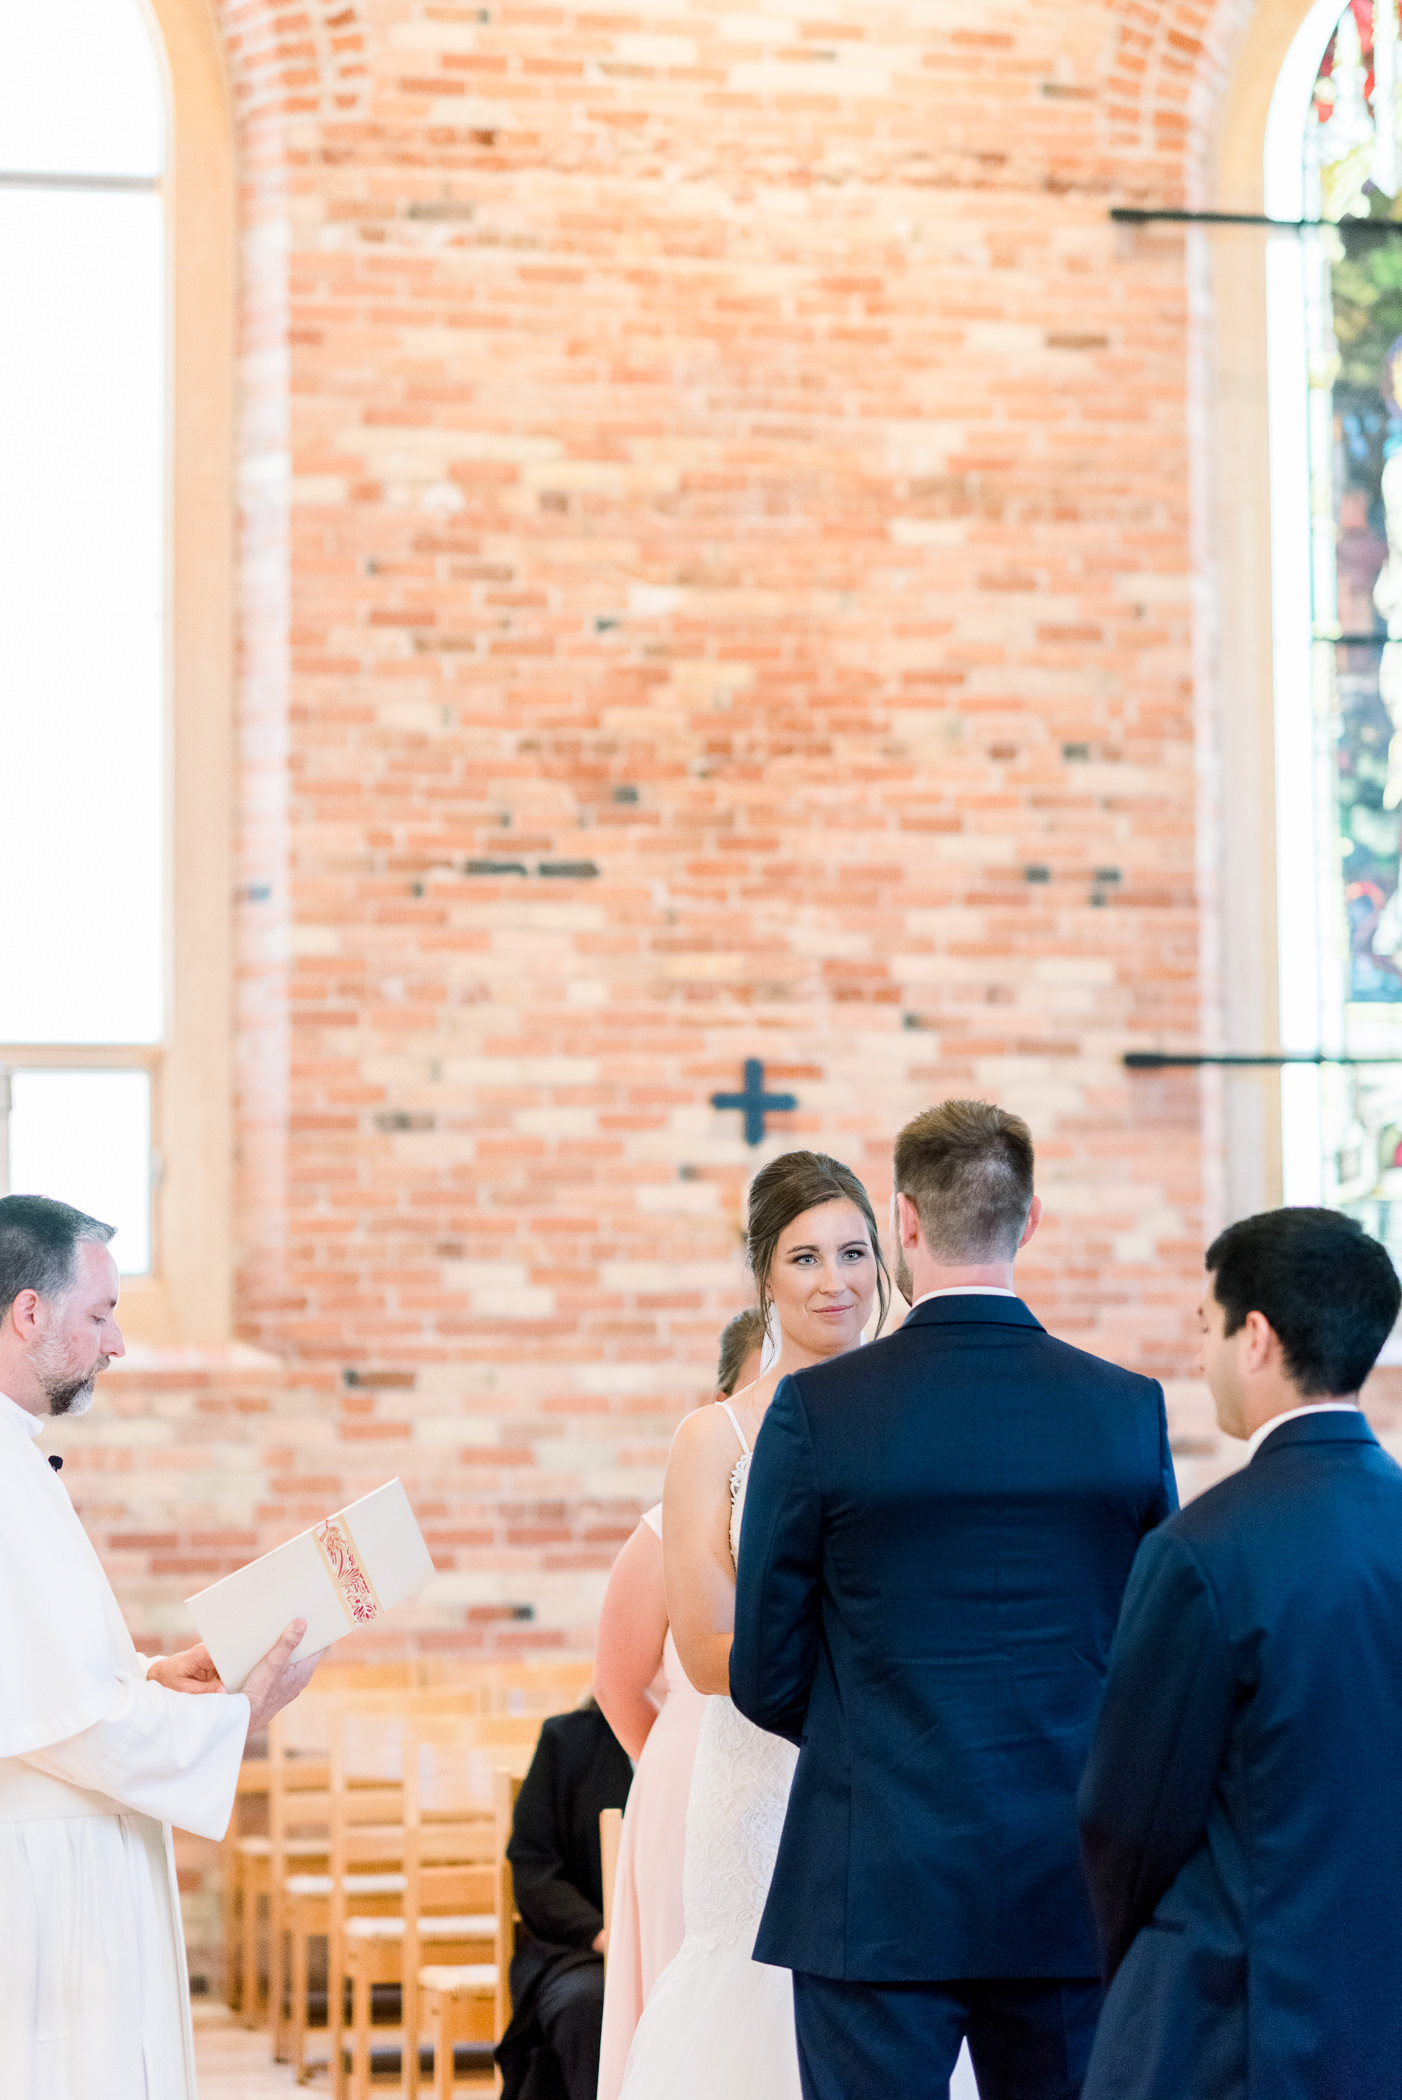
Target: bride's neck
[{"x": 793, "y": 1357}]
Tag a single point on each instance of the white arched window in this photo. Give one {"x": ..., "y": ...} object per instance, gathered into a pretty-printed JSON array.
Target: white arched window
[
  {"x": 1334, "y": 152},
  {"x": 84, "y": 471}
]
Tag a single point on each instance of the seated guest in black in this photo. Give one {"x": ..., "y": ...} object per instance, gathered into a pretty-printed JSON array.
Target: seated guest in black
[
  {"x": 1241, "y": 1812},
  {"x": 551, "y": 2049}
]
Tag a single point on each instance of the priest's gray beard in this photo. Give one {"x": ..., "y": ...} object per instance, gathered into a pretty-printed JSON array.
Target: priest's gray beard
[{"x": 67, "y": 1391}]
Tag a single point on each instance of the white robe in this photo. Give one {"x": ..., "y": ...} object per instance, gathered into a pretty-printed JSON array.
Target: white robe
[{"x": 96, "y": 1763}]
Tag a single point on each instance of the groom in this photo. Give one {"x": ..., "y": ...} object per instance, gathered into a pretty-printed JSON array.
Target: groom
[{"x": 938, "y": 1532}]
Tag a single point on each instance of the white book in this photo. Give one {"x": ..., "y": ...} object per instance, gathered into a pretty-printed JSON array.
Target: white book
[{"x": 345, "y": 1572}]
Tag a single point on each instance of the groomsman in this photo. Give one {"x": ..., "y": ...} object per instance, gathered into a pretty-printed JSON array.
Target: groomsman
[{"x": 1241, "y": 1812}]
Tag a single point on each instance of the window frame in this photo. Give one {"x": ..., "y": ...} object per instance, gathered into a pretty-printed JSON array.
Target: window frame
[
  {"x": 186, "y": 1298},
  {"x": 1241, "y": 819}
]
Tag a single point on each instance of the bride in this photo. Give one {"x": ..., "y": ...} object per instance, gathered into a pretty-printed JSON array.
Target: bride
[{"x": 718, "y": 2025}]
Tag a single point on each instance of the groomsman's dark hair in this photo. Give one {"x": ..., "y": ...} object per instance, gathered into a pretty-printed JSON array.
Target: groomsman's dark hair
[
  {"x": 1326, "y": 1286},
  {"x": 967, "y": 1168},
  {"x": 39, "y": 1241}
]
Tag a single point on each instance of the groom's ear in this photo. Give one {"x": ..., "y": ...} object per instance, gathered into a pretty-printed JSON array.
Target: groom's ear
[
  {"x": 1034, "y": 1219},
  {"x": 907, "y": 1222}
]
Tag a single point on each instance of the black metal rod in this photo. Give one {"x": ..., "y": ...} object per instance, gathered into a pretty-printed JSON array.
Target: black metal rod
[
  {"x": 1164, "y": 1060},
  {"x": 1133, "y": 215}
]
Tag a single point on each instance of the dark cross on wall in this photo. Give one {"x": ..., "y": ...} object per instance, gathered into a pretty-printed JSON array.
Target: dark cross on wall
[{"x": 755, "y": 1103}]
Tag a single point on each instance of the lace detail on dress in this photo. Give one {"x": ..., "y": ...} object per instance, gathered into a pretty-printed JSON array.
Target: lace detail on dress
[
  {"x": 739, "y": 1474},
  {"x": 739, "y": 1792}
]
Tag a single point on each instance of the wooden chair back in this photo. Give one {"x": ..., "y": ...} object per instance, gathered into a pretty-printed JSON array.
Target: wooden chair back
[
  {"x": 367, "y": 1790},
  {"x": 506, "y": 1787},
  {"x": 536, "y": 1687},
  {"x": 337, "y": 1676},
  {"x": 304, "y": 1728},
  {"x": 299, "y": 1797},
  {"x": 244, "y": 1869},
  {"x": 299, "y": 1834},
  {"x": 450, "y": 1844},
  {"x": 456, "y": 1755},
  {"x": 365, "y": 1854}
]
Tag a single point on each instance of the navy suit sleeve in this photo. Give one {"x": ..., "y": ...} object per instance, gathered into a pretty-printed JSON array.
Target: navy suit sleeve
[
  {"x": 775, "y": 1651},
  {"x": 1158, "y": 1743},
  {"x": 1167, "y": 1501}
]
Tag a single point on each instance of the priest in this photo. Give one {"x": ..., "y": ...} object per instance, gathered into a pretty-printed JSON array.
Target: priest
[{"x": 101, "y": 1749}]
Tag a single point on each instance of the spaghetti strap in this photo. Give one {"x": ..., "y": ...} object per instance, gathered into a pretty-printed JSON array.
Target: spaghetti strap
[{"x": 744, "y": 1445}]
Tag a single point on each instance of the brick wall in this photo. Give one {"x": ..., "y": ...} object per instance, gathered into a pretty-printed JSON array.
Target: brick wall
[{"x": 715, "y": 584}]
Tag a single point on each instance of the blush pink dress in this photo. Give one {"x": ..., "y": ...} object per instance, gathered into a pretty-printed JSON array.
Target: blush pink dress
[{"x": 647, "y": 1927}]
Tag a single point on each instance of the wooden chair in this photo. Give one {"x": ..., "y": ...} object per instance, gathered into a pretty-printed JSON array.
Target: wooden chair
[
  {"x": 257, "y": 1863},
  {"x": 535, "y": 1687},
  {"x": 247, "y": 1879},
  {"x": 249, "y": 1819},
  {"x": 312, "y": 1903},
  {"x": 339, "y": 1676},
  {"x": 299, "y": 1811},
  {"x": 454, "y": 1760},
  {"x": 364, "y": 1872},
  {"x": 448, "y": 1910},
  {"x": 487, "y": 1686},
  {"x": 506, "y": 1788},
  {"x": 473, "y": 2003},
  {"x": 610, "y": 1836}
]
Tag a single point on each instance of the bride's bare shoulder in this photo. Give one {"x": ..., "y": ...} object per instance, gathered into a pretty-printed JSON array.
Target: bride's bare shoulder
[
  {"x": 701, "y": 1435},
  {"x": 751, "y": 1403}
]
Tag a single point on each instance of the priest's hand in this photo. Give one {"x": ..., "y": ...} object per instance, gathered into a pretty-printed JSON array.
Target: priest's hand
[
  {"x": 191, "y": 1670},
  {"x": 275, "y": 1681}
]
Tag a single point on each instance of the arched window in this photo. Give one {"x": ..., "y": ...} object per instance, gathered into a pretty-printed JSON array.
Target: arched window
[
  {"x": 116, "y": 549},
  {"x": 1334, "y": 152},
  {"x": 83, "y": 480}
]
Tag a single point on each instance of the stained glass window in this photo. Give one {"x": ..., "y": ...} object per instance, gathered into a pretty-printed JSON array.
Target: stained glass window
[
  {"x": 1356, "y": 465},
  {"x": 1334, "y": 154}
]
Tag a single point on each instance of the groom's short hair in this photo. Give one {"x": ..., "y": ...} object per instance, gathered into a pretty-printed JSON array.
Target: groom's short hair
[{"x": 967, "y": 1168}]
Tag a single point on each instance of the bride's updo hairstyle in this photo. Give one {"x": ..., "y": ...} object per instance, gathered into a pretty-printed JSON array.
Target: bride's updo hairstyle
[{"x": 783, "y": 1191}]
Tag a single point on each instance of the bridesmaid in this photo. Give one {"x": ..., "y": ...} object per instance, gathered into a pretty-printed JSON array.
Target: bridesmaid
[{"x": 633, "y": 1644}]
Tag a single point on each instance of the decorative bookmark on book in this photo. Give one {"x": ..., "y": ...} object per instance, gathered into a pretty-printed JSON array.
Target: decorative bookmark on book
[{"x": 353, "y": 1584}]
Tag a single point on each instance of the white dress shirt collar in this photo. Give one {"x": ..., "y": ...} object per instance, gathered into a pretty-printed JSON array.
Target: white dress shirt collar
[
  {"x": 33, "y": 1424},
  {"x": 1296, "y": 1414},
  {"x": 966, "y": 1290}
]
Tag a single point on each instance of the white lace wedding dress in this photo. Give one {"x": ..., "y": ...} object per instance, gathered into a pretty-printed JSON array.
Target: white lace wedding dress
[{"x": 719, "y": 2025}]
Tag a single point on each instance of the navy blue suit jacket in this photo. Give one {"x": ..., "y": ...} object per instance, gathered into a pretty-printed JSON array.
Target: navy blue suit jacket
[
  {"x": 1242, "y": 1806},
  {"x": 938, "y": 1530}
]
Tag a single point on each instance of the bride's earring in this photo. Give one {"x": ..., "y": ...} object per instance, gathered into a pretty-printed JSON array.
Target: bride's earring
[{"x": 769, "y": 1354}]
